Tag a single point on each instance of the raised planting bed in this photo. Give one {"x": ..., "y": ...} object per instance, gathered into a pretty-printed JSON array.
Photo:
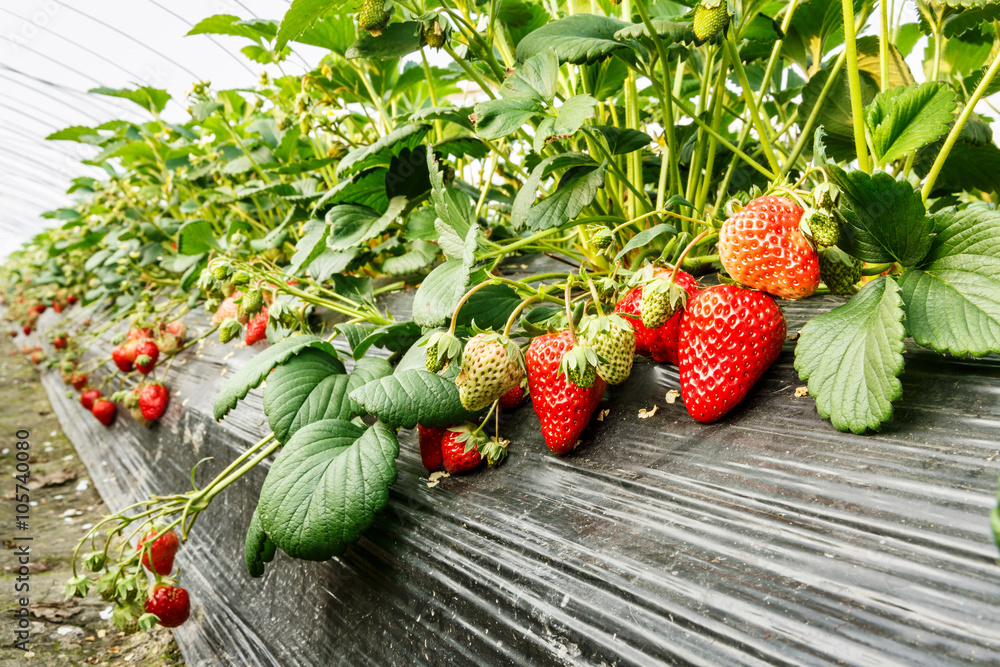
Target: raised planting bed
[{"x": 768, "y": 537}]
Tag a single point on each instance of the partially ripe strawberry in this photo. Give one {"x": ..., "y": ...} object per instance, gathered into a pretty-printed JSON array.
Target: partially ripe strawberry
[
  {"x": 37, "y": 357},
  {"x": 762, "y": 247},
  {"x": 60, "y": 342},
  {"x": 105, "y": 411},
  {"x": 563, "y": 408},
  {"x": 170, "y": 604},
  {"x": 124, "y": 356},
  {"x": 88, "y": 397},
  {"x": 138, "y": 334},
  {"x": 256, "y": 328},
  {"x": 430, "y": 447},
  {"x": 516, "y": 397},
  {"x": 227, "y": 309},
  {"x": 78, "y": 380},
  {"x": 146, "y": 354},
  {"x": 491, "y": 366},
  {"x": 161, "y": 551},
  {"x": 660, "y": 343},
  {"x": 57, "y": 306},
  {"x": 153, "y": 400},
  {"x": 459, "y": 450},
  {"x": 729, "y": 337}
]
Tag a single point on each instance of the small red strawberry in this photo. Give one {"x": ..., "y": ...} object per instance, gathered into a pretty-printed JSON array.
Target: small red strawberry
[
  {"x": 660, "y": 343},
  {"x": 762, "y": 247},
  {"x": 57, "y": 306},
  {"x": 430, "y": 447},
  {"x": 153, "y": 401},
  {"x": 124, "y": 356},
  {"x": 256, "y": 329},
  {"x": 563, "y": 408},
  {"x": 516, "y": 397},
  {"x": 26, "y": 329},
  {"x": 60, "y": 342},
  {"x": 71, "y": 299},
  {"x": 78, "y": 380},
  {"x": 459, "y": 450},
  {"x": 88, "y": 397},
  {"x": 729, "y": 337},
  {"x": 137, "y": 333},
  {"x": 161, "y": 551},
  {"x": 105, "y": 411},
  {"x": 37, "y": 309},
  {"x": 146, "y": 354},
  {"x": 171, "y": 605}
]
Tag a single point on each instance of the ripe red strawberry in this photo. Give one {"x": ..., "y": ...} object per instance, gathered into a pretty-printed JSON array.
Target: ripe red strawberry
[
  {"x": 88, "y": 397},
  {"x": 257, "y": 328},
  {"x": 57, "y": 306},
  {"x": 161, "y": 552},
  {"x": 26, "y": 329},
  {"x": 515, "y": 398},
  {"x": 762, "y": 247},
  {"x": 453, "y": 450},
  {"x": 37, "y": 309},
  {"x": 660, "y": 343},
  {"x": 171, "y": 605},
  {"x": 153, "y": 401},
  {"x": 146, "y": 354},
  {"x": 729, "y": 337},
  {"x": 78, "y": 380},
  {"x": 60, "y": 342},
  {"x": 124, "y": 356},
  {"x": 71, "y": 299},
  {"x": 430, "y": 447},
  {"x": 105, "y": 411},
  {"x": 563, "y": 408}
]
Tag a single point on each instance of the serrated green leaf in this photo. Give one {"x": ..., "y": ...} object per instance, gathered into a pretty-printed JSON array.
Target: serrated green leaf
[
  {"x": 351, "y": 225},
  {"x": 529, "y": 189},
  {"x": 308, "y": 387},
  {"x": 196, "y": 237},
  {"x": 498, "y": 118},
  {"x": 953, "y": 299},
  {"x": 670, "y": 31},
  {"x": 576, "y": 39},
  {"x": 326, "y": 486},
  {"x": 852, "y": 357},
  {"x": 568, "y": 119},
  {"x": 254, "y": 372},
  {"x": 411, "y": 396},
  {"x": 576, "y": 191},
  {"x": 903, "y": 119},
  {"x": 397, "y": 40},
  {"x": 258, "y": 549},
  {"x": 310, "y": 246},
  {"x": 536, "y": 78},
  {"x": 302, "y": 15},
  {"x": 834, "y": 114},
  {"x": 489, "y": 307},
  {"x": 644, "y": 238},
  {"x": 439, "y": 294},
  {"x": 419, "y": 255},
  {"x": 227, "y": 24},
  {"x": 379, "y": 154},
  {"x": 969, "y": 166},
  {"x": 620, "y": 141}
]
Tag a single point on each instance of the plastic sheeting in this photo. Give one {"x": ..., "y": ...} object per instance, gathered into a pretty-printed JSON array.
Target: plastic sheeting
[{"x": 766, "y": 538}]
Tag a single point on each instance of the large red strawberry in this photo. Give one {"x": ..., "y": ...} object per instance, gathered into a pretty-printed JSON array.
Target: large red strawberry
[
  {"x": 171, "y": 605},
  {"x": 124, "y": 356},
  {"x": 762, "y": 247},
  {"x": 257, "y": 328},
  {"x": 729, "y": 337},
  {"x": 88, "y": 397},
  {"x": 659, "y": 343},
  {"x": 430, "y": 447},
  {"x": 459, "y": 450},
  {"x": 146, "y": 354},
  {"x": 104, "y": 410},
  {"x": 153, "y": 401},
  {"x": 563, "y": 408},
  {"x": 161, "y": 551}
]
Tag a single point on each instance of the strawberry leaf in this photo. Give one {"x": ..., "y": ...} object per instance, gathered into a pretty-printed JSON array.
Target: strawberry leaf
[
  {"x": 903, "y": 119},
  {"x": 326, "y": 486},
  {"x": 410, "y": 396},
  {"x": 852, "y": 357},
  {"x": 575, "y": 39},
  {"x": 307, "y": 388},
  {"x": 439, "y": 294},
  {"x": 254, "y": 372},
  {"x": 258, "y": 548},
  {"x": 953, "y": 298}
]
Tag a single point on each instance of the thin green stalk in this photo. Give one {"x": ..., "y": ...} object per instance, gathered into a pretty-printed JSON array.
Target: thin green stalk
[
  {"x": 748, "y": 97},
  {"x": 854, "y": 83},
  {"x": 807, "y": 128},
  {"x": 883, "y": 45},
  {"x": 720, "y": 92}
]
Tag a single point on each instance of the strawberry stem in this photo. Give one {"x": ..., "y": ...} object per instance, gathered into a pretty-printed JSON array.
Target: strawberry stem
[
  {"x": 569, "y": 309},
  {"x": 680, "y": 260},
  {"x": 597, "y": 299}
]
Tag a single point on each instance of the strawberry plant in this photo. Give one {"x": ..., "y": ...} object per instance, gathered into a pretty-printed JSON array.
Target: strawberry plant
[{"x": 687, "y": 169}]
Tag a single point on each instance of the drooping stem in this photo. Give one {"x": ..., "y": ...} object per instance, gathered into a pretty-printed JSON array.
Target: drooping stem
[
  {"x": 854, "y": 82},
  {"x": 687, "y": 249}
]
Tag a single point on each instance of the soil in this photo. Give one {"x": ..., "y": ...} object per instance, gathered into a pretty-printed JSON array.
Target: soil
[{"x": 62, "y": 632}]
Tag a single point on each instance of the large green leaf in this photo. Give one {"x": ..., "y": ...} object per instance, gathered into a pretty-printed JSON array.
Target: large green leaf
[
  {"x": 618, "y": 140},
  {"x": 419, "y": 254},
  {"x": 577, "y": 39},
  {"x": 396, "y": 41},
  {"x": 529, "y": 189},
  {"x": 411, "y": 396},
  {"x": 834, "y": 114},
  {"x": 536, "y": 78},
  {"x": 308, "y": 387},
  {"x": 953, "y": 298},
  {"x": 576, "y": 191},
  {"x": 379, "y": 154},
  {"x": 253, "y": 372},
  {"x": 152, "y": 99},
  {"x": 351, "y": 225},
  {"x": 852, "y": 357},
  {"x": 670, "y": 31},
  {"x": 227, "y": 24},
  {"x": 498, "y": 118},
  {"x": 303, "y": 14},
  {"x": 569, "y": 118},
  {"x": 489, "y": 307},
  {"x": 904, "y": 119},
  {"x": 196, "y": 237},
  {"x": 439, "y": 294},
  {"x": 969, "y": 166},
  {"x": 311, "y": 245},
  {"x": 645, "y": 237},
  {"x": 326, "y": 486}
]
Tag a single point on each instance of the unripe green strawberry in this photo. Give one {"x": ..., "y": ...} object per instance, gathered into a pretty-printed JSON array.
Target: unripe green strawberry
[
  {"x": 661, "y": 299},
  {"x": 613, "y": 339},
  {"x": 249, "y": 305},
  {"x": 710, "y": 18},
  {"x": 434, "y": 34},
  {"x": 839, "y": 270},
  {"x": 442, "y": 347},
  {"x": 228, "y": 330},
  {"x": 602, "y": 238},
  {"x": 373, "y": 17},
  {"x": 579, "y": 365},
  {"x": 492, "y": 365},
  {"x": 823, "y": 229}
]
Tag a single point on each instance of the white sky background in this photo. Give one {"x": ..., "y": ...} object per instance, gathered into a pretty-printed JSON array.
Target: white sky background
[{"x": 53, "y": 51}]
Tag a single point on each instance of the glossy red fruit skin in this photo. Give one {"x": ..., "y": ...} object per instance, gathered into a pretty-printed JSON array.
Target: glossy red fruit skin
[
  {"x": 563, "y": 408},
  {"x": 660, "y": 343},
  {"x": 153, "y": 400},
  {"x": 170, "y": 603},
  {"x": 71, "y": 299},
  {"x": 456, "y": 460},
  {"x": 729, "y": 337},
  {"x": 78, "y": 380},
  {"x": 762, "y": 247},
  {"x": 27, "y": 330},
  {"x": 124, "y": 356},
  {"x": 60, "y": 343},
  {"x": 88, "y": 397},
  {"x": 105, "y": 411},
  {"x": 161, "y": 551},
  {"x": 257, "y": 328},
  {"x": 513, "y": 399},
  {"x": 430, "y": 447},
  {"x": 148, "y": 348}
]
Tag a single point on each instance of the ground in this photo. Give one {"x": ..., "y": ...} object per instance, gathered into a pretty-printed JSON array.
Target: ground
[{"x": 63, "y": 632}]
